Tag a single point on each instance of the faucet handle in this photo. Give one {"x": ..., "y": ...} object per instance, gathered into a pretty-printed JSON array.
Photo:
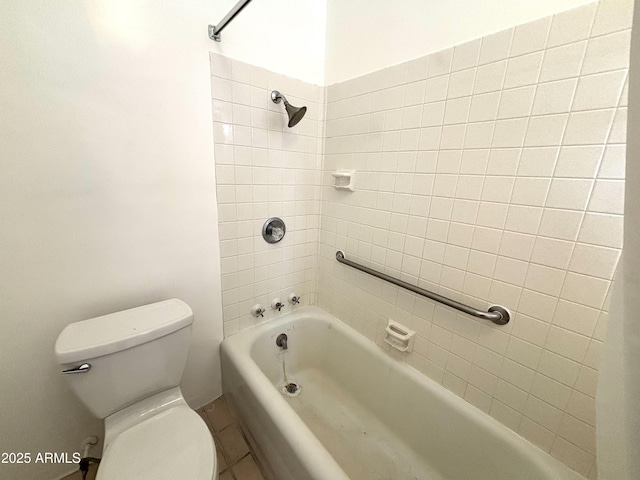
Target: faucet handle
[
  {"x": 294, "y": 299},
  {"x": 257, "y": 310},
  {"x": 276, "y": 304}
]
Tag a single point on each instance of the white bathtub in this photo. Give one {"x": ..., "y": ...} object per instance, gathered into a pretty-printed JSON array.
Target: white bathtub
[{"x": 361, "y": 414}]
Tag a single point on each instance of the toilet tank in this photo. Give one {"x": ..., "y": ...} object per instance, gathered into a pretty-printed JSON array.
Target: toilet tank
[{"x": 133, "y": 354}]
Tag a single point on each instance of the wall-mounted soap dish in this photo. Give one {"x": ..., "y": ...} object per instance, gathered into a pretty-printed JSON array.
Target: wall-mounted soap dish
[
  {"x": 399, "y": 336},
  {"x": 344, "y": 179}
]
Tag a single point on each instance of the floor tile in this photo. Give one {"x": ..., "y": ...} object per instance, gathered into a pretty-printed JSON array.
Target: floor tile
[
  {"x": 232, "y": 443},
  {"x": 218, "y": 415},
  {"x": 246, "y": 469}
]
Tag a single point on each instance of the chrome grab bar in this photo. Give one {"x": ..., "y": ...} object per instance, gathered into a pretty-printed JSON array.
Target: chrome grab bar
[
  {"x": 84, "y": 368},
  {"x": 497, "y": 314}
]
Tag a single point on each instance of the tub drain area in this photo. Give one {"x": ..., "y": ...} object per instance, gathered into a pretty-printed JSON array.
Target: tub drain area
[{"x": 291, "y": 389}]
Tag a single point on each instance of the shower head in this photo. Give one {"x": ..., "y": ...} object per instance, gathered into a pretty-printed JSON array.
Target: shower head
[{"x": 295, "y": 113}]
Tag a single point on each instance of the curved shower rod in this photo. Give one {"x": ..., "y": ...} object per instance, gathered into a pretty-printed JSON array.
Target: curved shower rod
[{"x": 214, "y": 30}]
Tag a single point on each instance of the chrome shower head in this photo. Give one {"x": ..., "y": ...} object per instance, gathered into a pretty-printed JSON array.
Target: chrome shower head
[{"x": 295, "y": 113}]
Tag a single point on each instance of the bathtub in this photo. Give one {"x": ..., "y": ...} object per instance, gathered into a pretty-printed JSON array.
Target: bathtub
[{"x": 359, "y": 413}]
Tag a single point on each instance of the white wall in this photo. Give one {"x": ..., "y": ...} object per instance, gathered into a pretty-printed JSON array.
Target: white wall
[
  {"x": 107, "y": 196},
  {"x": 367, "y": 35},
  {"x": 284, "y": 36}
]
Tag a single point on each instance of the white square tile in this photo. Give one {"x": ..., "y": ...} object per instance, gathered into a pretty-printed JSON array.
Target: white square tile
[
  {"x": 516, "y": 374},
  {"x": 559, "y": 368},
  {"x": 510, "y": 271},
  {"x": 536, "y": 434},
  {"x": 509, "y": 133},
  {"x": 484, "y": 107},
  {"x": 561, "y": 224},
  {"x": 436, "y": 89},
  {"x": 523, "y": 70},
  {"x": 602, "y": 229},
  {"x": 545, "y": 130},
  {"x": 618, "y": 132},
  {"x": 544, "y": 279},
  {"x": 495, "y": 47},
  {"x": 613, "y": 162},
  {"x": 572, "y": 25},
  {"x": 523, "y": 219},
  {"x": 585, "y": 290},
  {"x": 575, "y": 317},
  {"x": 490, "y": 78},
  {"x": 503, "y": 161},
  {"x": 578, "y": 433},
  {"x": 457, "y": 110},
  {"x": 433, "y": 114},
  {"x": 609, "y": 52},
  {"x": 461, "y": 83},
  {"x": 531, "y": 330},
  {"x": 599, "y": 91},
  {"x": 563, "y": 62},
  {"x": 569, "y": 193},
  {"x": 479, "y": 135},
  {"x": 466, "y": 55},
  {"x": 588, "y": 128},
  {"x": 613, "y": 15},
  {"x": 573, "y": 456},
  {"x": 550, "y": 391},
  {"x": 440, "y": 62},
  {"x": 607, "y": 197},
  {"x": 537, "y": 161},
  {"x": 505, "y": 415},
  {"x": 578, "y": 161},
  {"x": 543, "y": 413},
  {"x": 552, "y": 252},
  {"x": 530, "y": 37},
  {"x": 530, "y": 191},
  {"x": 524, "y": 353},
  {"x": 595, "y": 261},
  {"x": 554, "y": 97},
  {"x": 516, "y": 102},
  {"x": 516, "y": 245}
]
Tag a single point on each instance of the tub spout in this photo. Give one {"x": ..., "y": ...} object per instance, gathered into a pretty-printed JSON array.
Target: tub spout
[{"x": 281, "y": 341}]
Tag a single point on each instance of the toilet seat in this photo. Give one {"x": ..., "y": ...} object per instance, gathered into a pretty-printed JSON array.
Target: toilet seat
[{"x": 167, "y": 442}]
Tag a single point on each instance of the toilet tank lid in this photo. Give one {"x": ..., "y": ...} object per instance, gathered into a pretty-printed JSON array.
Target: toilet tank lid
[{"x": 118, "y": 331}]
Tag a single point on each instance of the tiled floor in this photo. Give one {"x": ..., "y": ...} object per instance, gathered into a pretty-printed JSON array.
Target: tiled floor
[{"x": 236, "y": 461}]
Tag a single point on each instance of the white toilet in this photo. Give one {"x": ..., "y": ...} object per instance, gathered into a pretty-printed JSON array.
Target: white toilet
[{"x": 126, "y": 368}]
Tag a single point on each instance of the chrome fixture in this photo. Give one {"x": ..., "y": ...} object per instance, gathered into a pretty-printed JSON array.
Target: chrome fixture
[
  {"x": 84, "y": 368},
  {"x": 257, "y": 310},
  {"x": 281, "y": 341},
  {"x": 293, "y": 299},
  {"x": 497, "y": 314},
  {"x": 276, "y": 304},
  {"x": 273, "y": 230},
  {"x": 295, "y": 113},
  {"x": 214, "y": 30}
]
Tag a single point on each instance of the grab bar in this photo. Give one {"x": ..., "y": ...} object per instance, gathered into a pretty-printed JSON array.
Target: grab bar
[{"x": 497, "y": 314}]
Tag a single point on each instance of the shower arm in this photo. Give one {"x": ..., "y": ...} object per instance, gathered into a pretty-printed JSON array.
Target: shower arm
[{"x": 214, "y": 30}]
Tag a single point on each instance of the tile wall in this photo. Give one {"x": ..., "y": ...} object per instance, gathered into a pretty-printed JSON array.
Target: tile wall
[
  {"x": 265, "y": 169},
  {"x": 491, "y": 172}
]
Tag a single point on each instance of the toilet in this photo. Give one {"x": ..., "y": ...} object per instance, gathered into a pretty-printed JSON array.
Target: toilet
[{"x": 126, "y": 368}]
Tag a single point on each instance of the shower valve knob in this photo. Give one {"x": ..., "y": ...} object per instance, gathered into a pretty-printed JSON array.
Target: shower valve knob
[
  {"x": 257, "y": 310},
  {"x": 294, "y": 299},
  {"x": 276, "y": 304}
]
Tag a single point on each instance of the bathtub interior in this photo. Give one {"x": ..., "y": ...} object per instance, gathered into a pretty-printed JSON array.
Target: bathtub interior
[{"x": 347, "y": 380}]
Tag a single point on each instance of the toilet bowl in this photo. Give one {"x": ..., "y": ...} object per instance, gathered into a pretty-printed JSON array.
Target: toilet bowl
[{"x": 126, "y": 367}]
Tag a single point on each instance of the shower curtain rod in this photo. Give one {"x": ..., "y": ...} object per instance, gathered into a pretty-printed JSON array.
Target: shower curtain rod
[
  {"x": 214, "y": 30},
  {"x": 497, "y": 314}
]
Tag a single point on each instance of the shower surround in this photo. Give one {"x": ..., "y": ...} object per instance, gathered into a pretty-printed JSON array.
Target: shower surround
[{"x": 491, "y": 172}]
